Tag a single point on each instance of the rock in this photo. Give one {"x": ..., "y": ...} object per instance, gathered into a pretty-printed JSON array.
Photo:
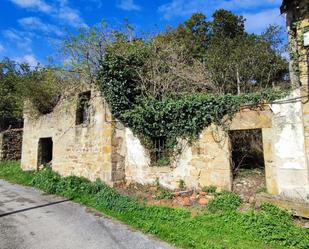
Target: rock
[
  {"x": 252, "y": 200},
  {"x": 203, "y": 193},
  {"x": 174, "y": 202},
  {"x": 209, "y": 197},
  {"x": 186, "y": 201},
  {"x": 176, "y": 194},
  {"x": 306, "y": 225},
  {"x": 153, "y": 189},
  {"x": 203, "y": 201}
]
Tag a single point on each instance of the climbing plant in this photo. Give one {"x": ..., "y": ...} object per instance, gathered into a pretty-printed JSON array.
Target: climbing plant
[
  {"x": 166, "y": 90},
  {"x": 171, "y": 117}
]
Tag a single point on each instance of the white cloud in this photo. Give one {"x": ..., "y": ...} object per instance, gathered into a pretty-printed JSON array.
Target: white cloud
[
  {"x": 248, "y": 4},
  {"x": 70, "y": 16},
  {"x": 257, "y": 22},
  {"x": 34, "y": 23},
  {"x": 128, "y": 5},
  {"x": 21, "y": 39},
  {"x": 59, "y": 10},
  {"x": 28, "y": 58},
  {"x": 184, "y": 8},
  {"x": 40, "y": 5}
]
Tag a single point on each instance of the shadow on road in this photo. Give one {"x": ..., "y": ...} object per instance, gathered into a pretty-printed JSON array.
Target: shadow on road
[{"x": 35, "y": 207}]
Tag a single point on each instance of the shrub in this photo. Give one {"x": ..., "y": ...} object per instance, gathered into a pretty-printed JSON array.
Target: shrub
[
  {"x": 224, "y": 202},
  {"x": 164, "y": 194},
  {"x": 92, "y": 188},
  {"x": 110, "y": 199},
  {"x": 275, "y": 226},
  {"x": 71, "y": 186},
  {"x": 182, "y": 184},
  {"x": 209, "y": 189},
  {"x": 47, "y": 180}
]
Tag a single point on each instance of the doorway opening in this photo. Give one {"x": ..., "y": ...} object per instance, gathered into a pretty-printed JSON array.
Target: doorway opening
[
  {"x": 247, "y": 162},
  {"x": 45, "y": 151}
]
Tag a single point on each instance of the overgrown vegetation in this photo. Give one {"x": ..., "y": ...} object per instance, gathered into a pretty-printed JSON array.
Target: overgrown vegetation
[
  {"x": 177, "y": 117},
  {"x": 170, "y": 85},
  {"x": 224, "y": 227},
  {"x": 20, "y": 83},
  {"x": 176, "y": 83},
  {"x": 209, "y": 189}
]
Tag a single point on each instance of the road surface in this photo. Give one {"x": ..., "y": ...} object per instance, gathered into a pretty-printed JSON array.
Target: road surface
[{"x": 30, "y": 219}]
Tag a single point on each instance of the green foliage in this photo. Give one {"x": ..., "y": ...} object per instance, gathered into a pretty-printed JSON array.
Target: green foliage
[
  {"x": 185, "y": 116},
  {"x": 163, "y": 161},
  {"x": 167, "y": 108},
  {"x": 181, "y": 184},
  {"x": 18, "y": 83},
  {"x": 10, "y": 100},
  {"x": 47, "y": 180},
  {"x": 275, "y": 225},
  {"x": 209, "y": 189},
  {"x": 164, "y": 194},
  {"x": 261, "y": 189},
  {"x": 269, "y": 228},
  {"x": 10, "y": 170},
  {"x": 227, "y": 25},
  {"x": 42, "y": 87},
  {"x": 224, "y": 202}
]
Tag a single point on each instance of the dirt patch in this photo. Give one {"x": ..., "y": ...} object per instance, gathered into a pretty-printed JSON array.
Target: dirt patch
[
  {"x": 156, "y": 195},
  {"x": 248, "y": 182}
]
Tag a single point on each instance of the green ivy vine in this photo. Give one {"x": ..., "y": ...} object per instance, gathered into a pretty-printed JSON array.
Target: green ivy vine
[{"x": 172, "y": 117}]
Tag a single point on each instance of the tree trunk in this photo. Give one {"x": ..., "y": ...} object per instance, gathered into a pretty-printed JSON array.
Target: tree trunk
[{"x": 238, "y": 82}]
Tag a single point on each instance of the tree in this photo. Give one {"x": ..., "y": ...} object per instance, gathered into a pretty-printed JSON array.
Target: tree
[
  {"x": 226, "y": 24},
  {"x": 244, "y": 64},
  {"x": 10, "y": 101},
  {"x": 41, "y": 86}
]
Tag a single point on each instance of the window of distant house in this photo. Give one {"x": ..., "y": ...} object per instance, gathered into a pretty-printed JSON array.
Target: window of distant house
[{"x": 83, "y": 108}]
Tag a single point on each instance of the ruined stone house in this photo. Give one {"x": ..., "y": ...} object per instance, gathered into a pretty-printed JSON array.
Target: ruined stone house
[{"x": 81, "y": 138}]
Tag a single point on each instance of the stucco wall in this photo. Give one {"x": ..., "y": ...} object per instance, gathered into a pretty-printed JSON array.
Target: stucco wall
[
  {"x": 290, "y": 167},
  {"x": 138, "y": 167},
  {"x": 207, "y": 161}
]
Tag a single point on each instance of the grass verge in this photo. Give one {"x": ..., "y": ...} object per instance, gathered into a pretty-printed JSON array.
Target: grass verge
[{"x": 219, "y": 226}]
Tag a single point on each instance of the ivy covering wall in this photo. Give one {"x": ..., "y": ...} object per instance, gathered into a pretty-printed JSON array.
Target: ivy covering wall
[{"x": 170, "y": 117}]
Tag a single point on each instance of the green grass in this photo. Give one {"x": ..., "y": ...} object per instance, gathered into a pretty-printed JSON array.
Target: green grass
[{"x": 219, "y": 227}]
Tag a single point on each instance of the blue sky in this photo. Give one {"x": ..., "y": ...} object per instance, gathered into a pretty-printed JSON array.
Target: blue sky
[{"x": 31, "y": 29}]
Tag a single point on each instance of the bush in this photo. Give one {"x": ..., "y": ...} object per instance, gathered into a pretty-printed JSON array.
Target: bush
[
  {"x": 164, "y": 194},
  {"x": 224, "y": 202},
  {"x": 71, "y": 186},
  {"x": 209, "y": 189},
  {"x": 112, "y": 200},
  {"x": 47, "y": 180}
]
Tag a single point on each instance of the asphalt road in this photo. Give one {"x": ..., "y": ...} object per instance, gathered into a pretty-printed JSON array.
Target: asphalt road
[{"x": 31, "y": 220}]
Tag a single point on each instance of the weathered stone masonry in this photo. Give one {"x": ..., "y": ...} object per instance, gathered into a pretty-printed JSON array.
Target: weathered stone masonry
[
  {"x": 82, "y": 150},
  {"x": 10, "y": 144},
  {"x": 105, "y": 149}
]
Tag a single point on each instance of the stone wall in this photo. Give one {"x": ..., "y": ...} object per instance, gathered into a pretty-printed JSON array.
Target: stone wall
[
  {"x": 11, "y": 144},
  {"x": 105, "y": 149},
  {"x": 81, "y": 150},
  {"x": 208, "y": 160}
]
